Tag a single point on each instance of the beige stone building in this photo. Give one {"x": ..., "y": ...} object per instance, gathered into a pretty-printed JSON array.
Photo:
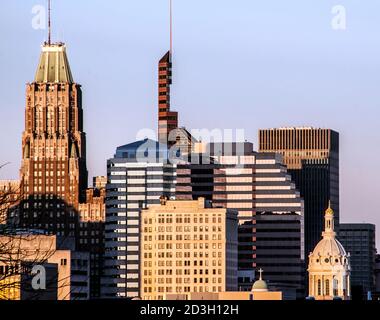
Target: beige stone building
[
  {"x": 187, "y": 247},
  {"x": 19, "y": 250}
]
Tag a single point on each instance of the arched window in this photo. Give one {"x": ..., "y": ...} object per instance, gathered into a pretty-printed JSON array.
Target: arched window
[
  {"x": 327, "y": 287},
  {"x": 319, "y": 287}
]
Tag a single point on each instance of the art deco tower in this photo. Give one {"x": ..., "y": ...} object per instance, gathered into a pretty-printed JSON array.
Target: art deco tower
[{"x": 53, "y": 170}]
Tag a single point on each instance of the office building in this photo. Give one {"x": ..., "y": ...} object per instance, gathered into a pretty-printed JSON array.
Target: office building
[
  {"x": 138, "y": 175},
  {"x": 279, "y": 250},
  {"x": 67, "y": 271},
  {"x": 187, "y": 247},
  {"x": 53, "y": 190},
  {"x": 360, "y": 240},
  {"x": 256, "y": 185},
  {"x": 312, "y": 158},
  {"x": 377, "y": 276}
]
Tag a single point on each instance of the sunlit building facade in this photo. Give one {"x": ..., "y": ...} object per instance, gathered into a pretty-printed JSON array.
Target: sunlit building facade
[{"x": 186, "y": 247}]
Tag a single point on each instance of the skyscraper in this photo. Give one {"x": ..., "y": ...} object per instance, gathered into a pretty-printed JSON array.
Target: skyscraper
[
  {"x": 138, "y": 175},
  {"x": 312, "y": 158},
  {"x": 53, "y": 169},
  {"x": 258, "y": 186},
  {"x": 53, "y": 175}
]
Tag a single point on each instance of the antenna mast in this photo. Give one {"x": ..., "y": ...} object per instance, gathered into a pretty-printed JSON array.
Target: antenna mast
[
  {"x": 171, "y": 26},
  {"x": 49, "y": 22}
]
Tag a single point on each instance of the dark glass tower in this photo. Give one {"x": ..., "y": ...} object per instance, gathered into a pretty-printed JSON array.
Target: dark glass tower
[{"x": 312, "y": 158}]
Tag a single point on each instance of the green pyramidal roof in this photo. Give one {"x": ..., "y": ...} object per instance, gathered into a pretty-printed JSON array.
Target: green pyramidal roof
[{"x": 54, "y": 65}]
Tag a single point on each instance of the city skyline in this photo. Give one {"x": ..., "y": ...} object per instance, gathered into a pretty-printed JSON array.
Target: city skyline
[{"x": 202, "y": 90}]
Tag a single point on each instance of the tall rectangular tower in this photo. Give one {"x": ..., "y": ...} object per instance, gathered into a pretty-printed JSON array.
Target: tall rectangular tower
[
  {"x": 167, "y": 120},
  {"x": 53, "y": 170},
  {"x": 138, "y": 175},
  {"x": 312, "y": 158}
]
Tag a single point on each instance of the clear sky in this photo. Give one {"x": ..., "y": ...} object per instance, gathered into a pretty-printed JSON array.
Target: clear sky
[{"x": 237, "y": 64}]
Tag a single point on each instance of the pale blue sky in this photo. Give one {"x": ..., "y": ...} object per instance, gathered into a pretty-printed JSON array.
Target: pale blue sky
[{"x": 237, "y": 64}]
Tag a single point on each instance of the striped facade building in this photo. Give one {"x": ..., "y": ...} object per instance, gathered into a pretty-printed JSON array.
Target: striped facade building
[
  {"x": 138, "y": 176},
  {"x": 258, "y": 186}
]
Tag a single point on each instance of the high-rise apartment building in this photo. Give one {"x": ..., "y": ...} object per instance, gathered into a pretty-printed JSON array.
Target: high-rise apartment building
[
  {"x": 138, "y": 175},
  {"x": 254, "y": 184},
  {"x": 359, "y": 239},
  {"x": 312, "y": 158},
  {"x": 187, "y": 247}
]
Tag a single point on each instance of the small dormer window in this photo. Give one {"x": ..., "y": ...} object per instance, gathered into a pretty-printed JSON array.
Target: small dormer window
[{"x": 327, "y": 260}]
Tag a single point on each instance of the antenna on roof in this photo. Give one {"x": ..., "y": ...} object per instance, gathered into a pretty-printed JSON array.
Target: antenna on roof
[
  {"x": 49, "y": 22},
  {"x": 171, "y": 25}
]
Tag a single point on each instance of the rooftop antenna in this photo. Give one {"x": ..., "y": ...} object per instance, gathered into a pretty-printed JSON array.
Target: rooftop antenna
[
  {"x": 171, "y": 26},
  {"x": 49, "y": 22}
]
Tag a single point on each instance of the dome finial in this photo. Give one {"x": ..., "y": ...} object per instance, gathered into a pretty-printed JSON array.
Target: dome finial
[{"x": 329, "y": 210}]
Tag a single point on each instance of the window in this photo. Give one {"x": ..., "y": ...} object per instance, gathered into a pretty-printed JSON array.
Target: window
[
  {"x": 327, "y": 289},
  {"x": 335, "y": 282},
  {"x": 319, "y": 287}
]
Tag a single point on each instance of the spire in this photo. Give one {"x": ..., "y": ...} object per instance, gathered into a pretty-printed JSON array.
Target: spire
[
  {"x": 171, "y": 25},
  {"x": 49, "y": 22}
]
